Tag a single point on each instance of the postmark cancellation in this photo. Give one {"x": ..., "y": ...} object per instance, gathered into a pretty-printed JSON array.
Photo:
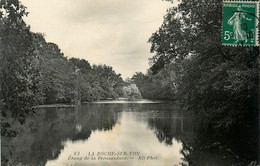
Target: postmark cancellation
[{"x": 240, "y": 24}]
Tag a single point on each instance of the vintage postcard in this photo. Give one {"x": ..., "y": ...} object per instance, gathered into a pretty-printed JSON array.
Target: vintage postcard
[{"x": 129, "y": 83}]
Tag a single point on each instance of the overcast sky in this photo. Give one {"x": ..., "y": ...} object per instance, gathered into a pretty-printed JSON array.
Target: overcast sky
[{"x": 112, "y": 32}]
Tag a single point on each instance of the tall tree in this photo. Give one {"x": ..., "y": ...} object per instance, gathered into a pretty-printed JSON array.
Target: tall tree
[
  {"x": 18, "y": 66},
  {"x": 215, "y": 81}
]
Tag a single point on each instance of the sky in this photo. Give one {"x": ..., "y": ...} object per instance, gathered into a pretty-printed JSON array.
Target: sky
[{"x": 111, "y": 32}]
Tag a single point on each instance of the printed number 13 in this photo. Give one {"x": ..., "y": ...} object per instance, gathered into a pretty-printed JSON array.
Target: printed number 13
[{"x": 227, "y": 35}]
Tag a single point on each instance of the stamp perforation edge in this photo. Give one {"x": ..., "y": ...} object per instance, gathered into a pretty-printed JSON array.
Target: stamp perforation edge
[{"x": 257, "y": 23}]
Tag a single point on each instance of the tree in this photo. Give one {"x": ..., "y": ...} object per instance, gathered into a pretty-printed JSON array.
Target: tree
[
  {"x": 18, "y": 66},
  {"x": 214, "y": 81},
  {"x": 109, "y": 81},
  {"x": 131, "y": 92},
  {"x": 156, "y": 86},
  {"x": 57, "y": 81}
]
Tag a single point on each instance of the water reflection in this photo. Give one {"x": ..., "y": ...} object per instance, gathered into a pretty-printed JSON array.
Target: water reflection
[
  {"x": 152, "y": 129},
  {"x": 50, "y": 136},
  {"x": 41, "y": 138},
  {"x": 129, "y": 135}
]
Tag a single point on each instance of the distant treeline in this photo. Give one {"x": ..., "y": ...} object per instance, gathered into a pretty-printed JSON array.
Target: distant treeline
[
  {"x": 64, "y": 80},
  {"x": 33, "y": 71}
]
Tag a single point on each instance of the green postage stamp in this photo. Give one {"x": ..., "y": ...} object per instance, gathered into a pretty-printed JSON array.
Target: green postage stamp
[{"x": 240, "y": 24}]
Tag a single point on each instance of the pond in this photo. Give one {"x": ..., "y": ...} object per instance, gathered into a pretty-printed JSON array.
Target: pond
[{"x": 107, "y": 134}]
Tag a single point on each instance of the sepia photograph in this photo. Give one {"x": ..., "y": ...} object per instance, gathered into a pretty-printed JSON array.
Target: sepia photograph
[{"x": 129, "y": 82}]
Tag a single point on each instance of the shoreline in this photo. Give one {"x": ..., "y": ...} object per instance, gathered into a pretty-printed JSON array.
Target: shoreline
[
  {"x": 55, "y": 106},
  {"x": 119, "y": 100}
]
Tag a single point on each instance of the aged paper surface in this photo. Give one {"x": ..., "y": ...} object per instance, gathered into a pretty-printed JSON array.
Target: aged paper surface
[{"x": 129, "y": 83}]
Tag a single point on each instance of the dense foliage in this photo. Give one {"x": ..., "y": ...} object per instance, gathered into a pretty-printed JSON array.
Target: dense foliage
[
  {"x": 33, "y": 71},
  {"x": 190, "y": 65},
  {"x": 18, "y": 72},
  {"x": 158, "y": 86},
  {"x": 219, "y": 83},
  {"x": 66, "y": 80},
  {"x": 131, "y": 92}
]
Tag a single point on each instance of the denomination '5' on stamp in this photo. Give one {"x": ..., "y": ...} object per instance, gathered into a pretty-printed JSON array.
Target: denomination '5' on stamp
[{"x": 240, "y": 24}]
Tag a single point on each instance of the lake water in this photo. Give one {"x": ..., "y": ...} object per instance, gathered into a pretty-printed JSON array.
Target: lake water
[{"x": 106, "y": 134}]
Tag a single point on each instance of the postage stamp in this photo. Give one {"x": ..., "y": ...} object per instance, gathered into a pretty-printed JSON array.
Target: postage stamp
[{"x": 240, "y": 24}]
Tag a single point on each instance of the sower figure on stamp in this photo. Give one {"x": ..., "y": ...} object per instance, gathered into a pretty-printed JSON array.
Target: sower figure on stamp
[{"x": 235, "y": 20}]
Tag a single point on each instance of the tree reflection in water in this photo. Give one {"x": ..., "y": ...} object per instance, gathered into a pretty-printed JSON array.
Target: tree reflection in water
[{"x": 44, "y": 135}]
